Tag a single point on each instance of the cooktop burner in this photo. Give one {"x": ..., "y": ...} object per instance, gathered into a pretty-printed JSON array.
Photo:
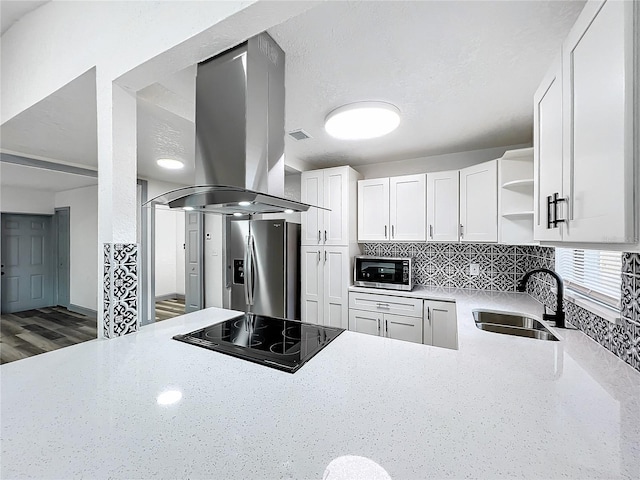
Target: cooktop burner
[{"x": 275, "y": 342}]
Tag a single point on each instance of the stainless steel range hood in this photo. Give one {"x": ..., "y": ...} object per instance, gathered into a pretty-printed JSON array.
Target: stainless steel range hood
[{"x": 239, "y": 134}]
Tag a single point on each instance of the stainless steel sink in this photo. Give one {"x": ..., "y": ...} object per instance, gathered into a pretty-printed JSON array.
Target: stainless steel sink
[{"x": 512, "y": 324}]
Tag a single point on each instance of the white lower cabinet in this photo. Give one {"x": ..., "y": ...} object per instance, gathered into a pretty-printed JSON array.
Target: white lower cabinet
[
  {"x": 379, "y": 315},
  {"x": 325, "y": 283},
  {"x": 440, "y": 324},
  {"x": 404, "y": 318},
  {"x": 404, "y": 328},
  {"x": 387, "y": 325}
]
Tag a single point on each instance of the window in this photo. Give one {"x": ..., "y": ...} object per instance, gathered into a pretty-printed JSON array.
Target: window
[{"x": 592, "y": 273}]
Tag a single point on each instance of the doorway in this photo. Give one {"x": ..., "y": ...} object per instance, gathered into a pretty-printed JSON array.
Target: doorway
[
  {"x": 62, "y": 222},
  {"x": 35, "y": 286},
  {"x": 35, "y": 261}
]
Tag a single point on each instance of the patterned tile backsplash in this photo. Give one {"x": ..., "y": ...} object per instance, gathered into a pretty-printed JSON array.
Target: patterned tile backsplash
[
  {"x": 447, "y": 265},
  {"x": 120, "y": 289}
]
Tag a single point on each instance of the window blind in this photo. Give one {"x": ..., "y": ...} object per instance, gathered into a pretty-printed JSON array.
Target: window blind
[{"x": 593, "y": 273}]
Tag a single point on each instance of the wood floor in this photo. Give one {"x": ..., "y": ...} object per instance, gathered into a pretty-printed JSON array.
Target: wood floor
[
  {"x": 170, "y": 308},
  {"x": 28, "y": 333}
]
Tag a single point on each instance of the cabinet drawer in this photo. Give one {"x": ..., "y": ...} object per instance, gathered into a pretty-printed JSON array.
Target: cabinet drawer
[{"x": 371, "y": 302}]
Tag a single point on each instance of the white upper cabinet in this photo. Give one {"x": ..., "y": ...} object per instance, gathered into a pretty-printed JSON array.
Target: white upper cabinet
[
  {"x": 334, "y": 189},
  {"x": 584, "y": 138},
  {"x": 443, "y": 193},
  {"x": 547, "y": 152},
  {"x": 598, "y": 107},
  {"x": 311, "y": 192},
  {"x": 407, "y": 208},
  {"x": 392, "y": 209},
  {"x": 479, "y": 203},
  {"x": 373, "y": 210},
  {"x": 336, "y": 199}
]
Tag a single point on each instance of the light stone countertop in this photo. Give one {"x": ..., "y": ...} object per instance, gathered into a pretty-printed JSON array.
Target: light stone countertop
[{"x": 499, "y": 407}]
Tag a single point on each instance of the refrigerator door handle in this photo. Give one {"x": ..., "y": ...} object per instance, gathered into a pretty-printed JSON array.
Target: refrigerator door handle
[{"x": 248, "y": 271}]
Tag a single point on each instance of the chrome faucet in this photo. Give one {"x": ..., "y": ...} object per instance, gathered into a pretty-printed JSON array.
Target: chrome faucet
[{"x": 558, "y": 317}]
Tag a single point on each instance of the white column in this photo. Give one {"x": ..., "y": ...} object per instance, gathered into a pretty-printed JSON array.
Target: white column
[{"x": 118, "y": 264}]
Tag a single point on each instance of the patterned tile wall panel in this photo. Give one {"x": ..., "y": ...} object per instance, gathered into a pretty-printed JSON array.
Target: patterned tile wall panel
[
  {"x": 623, "y": 338},
  {"x": 120, "y": 289},
  {"x": 447, "y": 265}
]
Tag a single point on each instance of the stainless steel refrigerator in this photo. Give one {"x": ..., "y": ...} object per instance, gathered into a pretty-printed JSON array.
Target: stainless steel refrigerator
[{"x": 263, "y": 267}]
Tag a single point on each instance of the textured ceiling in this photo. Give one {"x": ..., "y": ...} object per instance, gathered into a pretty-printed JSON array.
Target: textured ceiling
[
  {"x": 11, "y": 11},
  {"x": 39, "y": 179},
  {"x": 462, "y": 73},
  {"x": 62, "y": 127}
]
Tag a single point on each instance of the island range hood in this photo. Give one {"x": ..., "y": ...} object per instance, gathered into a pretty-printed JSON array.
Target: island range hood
[{"x": 239, "y": 134}]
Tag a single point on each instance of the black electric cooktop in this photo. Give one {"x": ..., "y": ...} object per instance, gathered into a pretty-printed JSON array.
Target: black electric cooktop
[{"x": 274, "y": 342}]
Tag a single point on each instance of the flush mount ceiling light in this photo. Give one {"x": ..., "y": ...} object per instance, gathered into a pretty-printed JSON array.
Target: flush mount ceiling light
[
  {"x": 170, "y": 163},
  {"x": 362, "y": 120}
]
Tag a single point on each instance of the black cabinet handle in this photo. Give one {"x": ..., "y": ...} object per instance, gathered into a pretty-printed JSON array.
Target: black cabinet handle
[{"x": 552, "y": 213}]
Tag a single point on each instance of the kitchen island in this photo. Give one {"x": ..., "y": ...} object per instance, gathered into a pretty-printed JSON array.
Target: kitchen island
[{"x": 500, "y": 406}]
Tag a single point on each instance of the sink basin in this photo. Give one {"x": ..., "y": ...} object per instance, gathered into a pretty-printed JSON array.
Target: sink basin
[{"x": 512, "y": 324}]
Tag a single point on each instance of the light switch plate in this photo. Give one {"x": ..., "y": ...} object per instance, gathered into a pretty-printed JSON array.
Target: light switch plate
[{"x": 474, "y": 269}]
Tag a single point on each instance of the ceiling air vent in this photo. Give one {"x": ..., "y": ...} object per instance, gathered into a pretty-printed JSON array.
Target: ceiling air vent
[{"x": 299, "y": 134}]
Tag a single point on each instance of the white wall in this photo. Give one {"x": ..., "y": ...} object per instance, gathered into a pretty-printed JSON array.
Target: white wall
[
  {"x": 38, "y": 56},
  {"x": 169, "y": 266},
  {"x": 436, "y": 163},
  {"x": 83, "y": 203},
  {"x": 214, "y": 275},
  {"x": 169, "y": 241},
  {"x": 17, "y": 200}
]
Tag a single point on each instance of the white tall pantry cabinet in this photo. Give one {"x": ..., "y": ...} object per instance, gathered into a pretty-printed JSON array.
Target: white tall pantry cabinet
[{"x": 328, "y": 244}]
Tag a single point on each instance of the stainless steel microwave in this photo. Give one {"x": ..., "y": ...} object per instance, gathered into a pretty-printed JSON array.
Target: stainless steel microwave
[{"x": 383, "y": 272}]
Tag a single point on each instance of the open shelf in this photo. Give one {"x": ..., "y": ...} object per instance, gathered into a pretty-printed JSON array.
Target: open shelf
[
  {"x": 526, "y": 183},
  {"x": 515, "y": 197},
  {"x": 515, "y": 215}
]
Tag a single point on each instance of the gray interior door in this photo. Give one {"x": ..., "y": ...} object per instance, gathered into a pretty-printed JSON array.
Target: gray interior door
[
  {"x": 27, "y": 260},
  {"x": 193, "y": 262},
  {"x": 63, "y": 271}
]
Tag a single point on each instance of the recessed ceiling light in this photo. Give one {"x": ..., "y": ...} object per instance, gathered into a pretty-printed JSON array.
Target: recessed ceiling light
[
  {"x": 362, "y": 120},
  {"x": 170, "y": 163},
  {"x": 288, "y": 210},
  {"x": 188, "y": 209},
  {"x": 237, "y": 214},
  {"x": 244, "y": 204}
]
